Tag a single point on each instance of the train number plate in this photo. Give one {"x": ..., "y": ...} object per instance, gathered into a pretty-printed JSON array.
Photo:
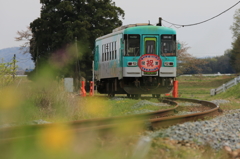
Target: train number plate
[{"x": 150, "y": 73}]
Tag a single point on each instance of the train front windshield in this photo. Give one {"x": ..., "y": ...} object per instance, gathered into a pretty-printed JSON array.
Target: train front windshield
[
  {"x": 168, "y": 45},
  {"x": 132, "y": 44}
]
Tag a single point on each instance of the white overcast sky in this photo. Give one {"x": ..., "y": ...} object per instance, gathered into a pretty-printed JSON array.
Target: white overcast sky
[{"x": 208, "y": 39}]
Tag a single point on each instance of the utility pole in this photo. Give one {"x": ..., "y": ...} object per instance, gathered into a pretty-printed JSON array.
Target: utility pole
[
  {"x": 37, "y": 60},
  {"x": 78, "y": 75},
  {"x": 14, "y": 66}
]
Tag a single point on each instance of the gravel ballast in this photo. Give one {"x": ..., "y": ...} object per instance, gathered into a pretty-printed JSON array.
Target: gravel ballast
[
  {"x": 142, "y": 103},
  {"x": 218, "y": 132},
  {"x": 145, "y": 102}
]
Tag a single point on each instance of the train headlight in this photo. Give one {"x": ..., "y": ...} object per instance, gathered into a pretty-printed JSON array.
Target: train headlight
[
  {"x": 132, "y": 63},
  {"x": 168, "y": 64}
]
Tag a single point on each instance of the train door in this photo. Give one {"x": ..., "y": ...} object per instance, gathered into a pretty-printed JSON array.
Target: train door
[{"x": 150, "y": 45}]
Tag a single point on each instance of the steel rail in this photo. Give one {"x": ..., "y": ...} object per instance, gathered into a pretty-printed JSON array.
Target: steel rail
[
  {"x": 155, "y": 119},
  {"x": 168, "y": 121},
  {"x": 88, "y": 124}
]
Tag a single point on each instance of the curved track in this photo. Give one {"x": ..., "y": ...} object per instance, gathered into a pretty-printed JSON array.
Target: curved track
[
  {"x": 168, "y": 121},
  {"x": 156, "y": 120}
]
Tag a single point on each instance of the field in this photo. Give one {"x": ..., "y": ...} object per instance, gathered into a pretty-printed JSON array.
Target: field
[
  {"x": 199, "y": 88},
  {"x": 24, "y": 101}
]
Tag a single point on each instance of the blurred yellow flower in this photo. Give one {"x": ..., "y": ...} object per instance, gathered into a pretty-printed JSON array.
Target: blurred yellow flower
[
  {"x": 97, "y": 107},
  {"x": 55, "y": 137},
  {"x": 9, "y": 97}
]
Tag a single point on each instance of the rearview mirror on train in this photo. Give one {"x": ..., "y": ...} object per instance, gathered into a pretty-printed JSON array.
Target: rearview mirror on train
[{"x": 178, "y": 46}]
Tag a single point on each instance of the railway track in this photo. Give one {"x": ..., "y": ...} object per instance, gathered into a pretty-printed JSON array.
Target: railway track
[
  {"x": 155, "y": 120},
  {"x": 168, "y": 121}
]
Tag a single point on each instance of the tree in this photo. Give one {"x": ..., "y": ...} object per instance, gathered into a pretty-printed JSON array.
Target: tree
[
  {"x": 235, "y": 55},
  {"x": 223, "y": 63},
  {"x": 24, "y": 35},
  {"x": 219, "y": 64},
  {"x": 62, "y": 21},
  {"x": 235, "y": 52},
  {"x": 236, "y": 24},
  {"x": 188, "y": 64}
]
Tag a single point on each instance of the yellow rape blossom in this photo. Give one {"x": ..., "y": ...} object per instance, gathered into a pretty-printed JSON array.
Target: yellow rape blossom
[
  {"x": 9, "y": 98},
  {"x": 55, "y": 137}
]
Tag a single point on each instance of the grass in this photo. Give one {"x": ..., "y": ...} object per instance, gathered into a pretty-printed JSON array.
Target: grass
[
  {"x": 166, "y": 149},
  {"x": 23, "y": 101},
  {"x": 126, "y": 106},
  {"x": 232, "y": 94},
  {"x": 200, "y": 89},
  {"x": 194, "y": 87},
  {"x": 200, "y": 86}
]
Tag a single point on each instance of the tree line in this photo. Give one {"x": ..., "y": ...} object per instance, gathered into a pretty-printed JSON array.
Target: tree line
[{"x": 188, "y": 64}]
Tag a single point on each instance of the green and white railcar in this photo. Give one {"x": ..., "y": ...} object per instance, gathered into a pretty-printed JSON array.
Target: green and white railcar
[{"x": 136, "y": 59}]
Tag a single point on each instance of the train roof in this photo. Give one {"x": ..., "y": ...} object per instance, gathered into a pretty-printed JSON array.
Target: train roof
[
  {"x": 144, "y": 28},
  {"x": 150, "y": 29},
  {"x": 130, "y": 25}
]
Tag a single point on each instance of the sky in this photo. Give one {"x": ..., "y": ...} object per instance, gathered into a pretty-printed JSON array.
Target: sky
[{"x": 212, "y": 38}]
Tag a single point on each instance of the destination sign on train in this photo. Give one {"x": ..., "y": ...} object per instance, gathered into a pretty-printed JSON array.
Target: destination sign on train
[
  {"x": 167, "y": 37},
  {"x": 133, "y": 37}
]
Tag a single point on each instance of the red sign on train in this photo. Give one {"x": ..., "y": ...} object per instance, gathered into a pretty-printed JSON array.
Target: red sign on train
[{"x": 149, "y": 63}]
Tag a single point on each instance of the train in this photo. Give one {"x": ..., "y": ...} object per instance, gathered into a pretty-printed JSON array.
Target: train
[{"x": 136, "y": 59}]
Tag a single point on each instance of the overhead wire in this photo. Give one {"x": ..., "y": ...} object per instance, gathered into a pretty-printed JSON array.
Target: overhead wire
[{"x": 181, "y": 25}]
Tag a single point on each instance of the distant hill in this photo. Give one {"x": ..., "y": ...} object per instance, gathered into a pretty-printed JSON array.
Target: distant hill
[{"x": 24, "y": 61}]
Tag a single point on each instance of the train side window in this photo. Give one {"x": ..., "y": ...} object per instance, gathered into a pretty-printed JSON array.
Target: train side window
[
  {"x": 115, "y": 50},
  {"x": 106, "y": 56},
  {"x": 110, "y": 52},
  {"x": 102, "y": 52},
  {"x": 107, "y": 50}
]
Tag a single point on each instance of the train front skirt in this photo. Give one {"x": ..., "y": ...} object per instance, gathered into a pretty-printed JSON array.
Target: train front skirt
[{"x": 148, "y": 89}]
